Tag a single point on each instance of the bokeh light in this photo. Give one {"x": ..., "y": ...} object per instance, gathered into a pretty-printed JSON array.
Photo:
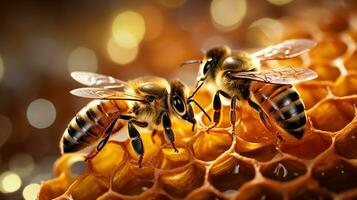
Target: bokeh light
[
  {"x": 128, "y": 29},
  {"x": 228, "y": 13},
  {"x": 154, "y": 22},
  {"x": 2, "y": 68},
  {"x": 9, "y": 182},
  {"x": 6, "y": 129},
  {"x": 30, "y": 191},
  {"x": 279, "y": 2},
  {"x": 22, "y": 164},
  {"x": 82, "y": 59},
  {"x": 172, "y": 3},
  {"x": 121, "y": 55},
  {"x": 41, "y": 113},
  {"x": 264, "y": 31}
]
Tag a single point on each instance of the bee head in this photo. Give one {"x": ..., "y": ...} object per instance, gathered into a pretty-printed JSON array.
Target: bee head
[
  {"x": 178, "y": 101},
  {"x": 213, "y": 57}
]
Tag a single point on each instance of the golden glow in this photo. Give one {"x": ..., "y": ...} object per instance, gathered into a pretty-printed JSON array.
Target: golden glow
[
  {"x": 30, "y": 191},
  {"x": 265, "y": 31},
  {"x": 82, "y": 59},
  {"x": 121, "y": 55},
  {"x": 22, "y": 163},
  {"x": 279, "y": 2},
  {"x": 2, "y": 68},
  {"x": 128, "y": 29},
  {"x": 41, "y": 113},
  {"x": 9, "y": 182},
  {"x": 228, "y": 13},
  {"x": 172, "y": 3},
  {"x": 154, "y": 21}
]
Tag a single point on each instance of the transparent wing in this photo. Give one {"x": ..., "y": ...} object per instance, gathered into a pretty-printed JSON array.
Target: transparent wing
[
  {"x": 285, "y": 50},
  {"x": 105, "y": 93},
  {"x": 283, "y": 75},
  {"x": 98, "y": 80}
]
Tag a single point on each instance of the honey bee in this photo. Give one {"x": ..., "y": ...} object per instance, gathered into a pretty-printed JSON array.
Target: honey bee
[
  {"x": 151, "y": 101},
  {"x": 238, "y": 77}
]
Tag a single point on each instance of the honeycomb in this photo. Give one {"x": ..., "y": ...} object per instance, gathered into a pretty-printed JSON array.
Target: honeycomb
[{"x": 247, "y": 164}]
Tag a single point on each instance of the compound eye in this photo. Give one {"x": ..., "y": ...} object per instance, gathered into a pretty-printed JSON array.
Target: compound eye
[{"x": 178, "y": 105}]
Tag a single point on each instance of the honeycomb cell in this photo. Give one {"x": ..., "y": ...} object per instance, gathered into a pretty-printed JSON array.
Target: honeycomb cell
[
  {"x": 351, "y": 61},
  {"x": 346, "y": 143},
  {"x": 88, "y": 181},
  {"x": 314, "y": 143},
  {"x": 169, "y": 159},
  {"x": 54, "y": 188},
  {"x": 259, "y": 191},
  {"x": 283, "y": 170},
  {"x": 108, "y": 159},
  {"x": 346, "y": 85},
  {"x": 332, "y": 115},
  {"x": 230, "y": 173},
  {"x": 325, "y": 70},
  {"x": 310, "y": 194},
  {"x": 147, "y": 196},
  {"x": 208, "y": 146},
  {"x": 312, "y": 93},
  {"x": 330, "y": 47},
  {"x": 335, "y": 175},
  {"x": 139, "y": 181},
  {"x": 259, "y": 151},
  {"x": 179, "y": 183}
]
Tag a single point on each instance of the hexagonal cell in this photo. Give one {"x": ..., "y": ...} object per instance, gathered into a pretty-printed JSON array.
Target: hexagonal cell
[
  {"x": 54, "y": 188},
  {"x": 169, "y": 159},
  {"x": 346, "y": 85},
  {"x": 329, "y": 47},
  {"x": 332, "y": 115},
  {"x": 204, "y": 195},
  {"x": 314, "y": 143},
  {"x": 325, "y": 70},
  {"x": 335, "y": 174},
  {"x": 351, "y": 61},
  {"x": 208, "y": 146},
  {"x": 259, "y": 151},
  {"x": 180, "y": 183},
  {"x": 150, "y": 196},
  {"x": 311, "y": 94},
  {"x": 259, "y": 191},
  {"x": 139, "y": 180},
  {"x": 283, "y": 170},
  {"x": 89, "y": 188},
  {"x": 346, "y": 143},
  {"x": 108, "y": 159},
  {"x": 311, "y": 194},
  {"x": 230, "y": 173}
]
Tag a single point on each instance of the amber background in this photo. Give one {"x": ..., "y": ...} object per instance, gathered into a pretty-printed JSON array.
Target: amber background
[{"x": 37, "y": 37}]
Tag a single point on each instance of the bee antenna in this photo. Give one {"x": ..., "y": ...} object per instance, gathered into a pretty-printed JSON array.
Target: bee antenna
[
  {"x": 190, "y": 62},
  {"x": 200, "y": 107}
]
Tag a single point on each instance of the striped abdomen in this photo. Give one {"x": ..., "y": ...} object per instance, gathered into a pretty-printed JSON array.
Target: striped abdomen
[
  {"x": 283, "y": 104},
  {"x": 89, "y": 124}
]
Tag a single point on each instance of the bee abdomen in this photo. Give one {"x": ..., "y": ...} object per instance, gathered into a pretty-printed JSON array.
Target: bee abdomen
[
  {"x": 89, "y": 124},
  {"x": 283, "y": 104}
]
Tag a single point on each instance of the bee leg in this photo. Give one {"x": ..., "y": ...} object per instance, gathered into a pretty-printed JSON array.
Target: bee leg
[
  {"x": 136, "y": 141},
  {"x": 217, "y": 107},
  {"x": 265, "y": 119},
  {"x": 166, "y": 122},
  {"x": 233, "y": 112},
  {"x": 103, "y": 142}
]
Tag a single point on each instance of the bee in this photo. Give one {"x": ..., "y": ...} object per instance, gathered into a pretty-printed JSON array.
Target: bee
[
  {"x": 238, "y": 77},
  {"x": 151, "y": 101}
]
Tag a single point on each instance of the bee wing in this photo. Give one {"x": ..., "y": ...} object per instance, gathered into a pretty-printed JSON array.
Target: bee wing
[
  {"x": 105, "y": 93},
  {"x": 97, "y": 80},
  {"x": 283, "y": 75},
  {"x": 285, "y": 50}
]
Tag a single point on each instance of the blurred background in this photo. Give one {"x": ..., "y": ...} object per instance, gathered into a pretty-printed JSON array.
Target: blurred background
[{"x": 41, "y": 42}]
